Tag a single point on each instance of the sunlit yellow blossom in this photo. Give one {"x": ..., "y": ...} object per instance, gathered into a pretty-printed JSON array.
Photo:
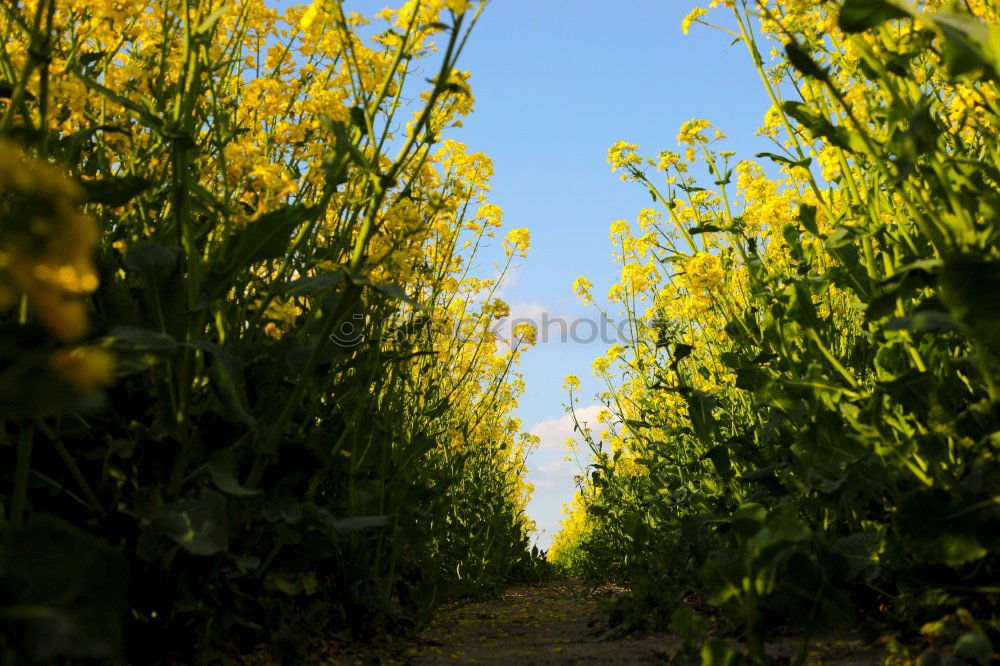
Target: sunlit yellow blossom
[
  {"x": 692, "y": 17},
  {"x": 311, "y": 14},
  {"x": 691, "y": 131},
  {"x": 526, "y": 332},
  {"x": 667, "y": 159},
  {"x": 582, "y": 287},
  {"x": 622, "y": 157},
  {"x": 499, "y": 309},
  {"x": 517, "y": 241},
  {"x": 618, "y": 227},
  {"x": 459, "y": 6}
]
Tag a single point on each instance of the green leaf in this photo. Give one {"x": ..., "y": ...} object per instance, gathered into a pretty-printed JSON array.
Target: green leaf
[
  {"x": 344, "y": 143},
  {"x": 684, "y": 621},
  {"x": 859, "y": 550},
  {"x": 294, "y": 584},
  {"x": 975, "y": 645},
  {"x": 360, "y": 523},
  {"x": 222, "y": 469},
  {"x": 74, "y": 142},
  {"x": 750, "y": 512},
  {"x": 719, "y": 455},
  {"x": 245, "y": 563},
  {"x": 807, "y": 217},
  {"x": 315, "y": 284},
  {"x": 842, "y": 237},
  {"x": 881, "y": 306},
  {"x": 791, "y": 234},
  {"x": 926, "y": 321},
  {"x": 921, "y": 135},
  {"x": 967, "y": 47},
  {"x": 200, "y": 525},
  {"x": 764, "y": 473},
  {"x": 750, "y": 379},
  {"x": 953, "y": 550},
  {"x": 903, "y": 285},
  {"x": 64, "y": 592},
  {"x": 681, "y": 352},
  {"x": 297, "y": 358},
  {"x": 803, "y": 62},
  {"x": 820, "y": 127},
  {"x": 704, "y": 229},
  {"x": 86, "y": 59},
  {"x": 267, "y": 237},
  {"x": 141, "y": 340},
  {"x": 969, "y": 288},
  {"x": 227, "y": 378},
  {"x": 717, "y": 652},
  {"x": 860, "y": 15},
  {"x": 114, "y": 191},
  {"x": 144, "y": 114},
  {"x": 7, "y": 89},
  {"x": 926, "y": 268},
  {"x": 151, "y": 261},
  {"x": 393, "y": 291},
  {"x": 781, "y": 159},
  {"x": 208, "y": 25}
]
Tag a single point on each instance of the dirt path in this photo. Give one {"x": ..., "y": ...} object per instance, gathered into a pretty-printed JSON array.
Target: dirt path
[
  {"x": 560, "y": 622},
  {"x": 549, "y": 623}
]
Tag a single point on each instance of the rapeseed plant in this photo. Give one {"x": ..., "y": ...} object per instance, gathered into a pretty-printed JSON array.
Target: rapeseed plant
[
  {"x": 803, "y": 423},
  {"x": 264, "y": 368}
]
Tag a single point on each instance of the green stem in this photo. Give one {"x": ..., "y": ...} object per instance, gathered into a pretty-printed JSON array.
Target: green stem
[
  {"x": 268, "y": 448},
  {"x": 33, "y": 60},
  {"x": 22, "y": 468}
]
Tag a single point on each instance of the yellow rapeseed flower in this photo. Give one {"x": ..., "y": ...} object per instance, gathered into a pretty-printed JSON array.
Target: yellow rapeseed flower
[
  {"x": 45, "y": 252},
  {"x": 310, "y": 15},
  {"x": 582, "y": 287},
  {"x": 526, "y": 332},
  {"x": 87, "y": 368},
  {"x": 692, "y": 17},
  {"x": 517, "y": 240}
]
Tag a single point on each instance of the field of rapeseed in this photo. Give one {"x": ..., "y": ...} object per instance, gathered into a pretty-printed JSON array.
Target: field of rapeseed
[
  {"x": 251, "y": 398},
  {"x": 803, "y": 428},
  {"x": 248, "y": 391}
]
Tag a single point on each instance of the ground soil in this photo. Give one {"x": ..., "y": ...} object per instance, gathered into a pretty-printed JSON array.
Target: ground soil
[
  {"x": 561, "y": 622},
  {"x": 557, "y": 622}
]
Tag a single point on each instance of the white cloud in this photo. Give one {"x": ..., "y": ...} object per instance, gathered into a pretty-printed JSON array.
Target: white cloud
[
  {"x": 533, "y": 313},
  {"x": 553, "y": 433},
  {"x": 528, "y": 311},
  {"x": 559, "y": 326},
  {"x": 552, "y": 475},
  {"x": 550, "y": 467},
  {"x": 545, "y": 483}
]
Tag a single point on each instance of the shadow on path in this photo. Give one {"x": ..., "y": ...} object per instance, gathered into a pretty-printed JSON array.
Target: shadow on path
[
  {"x": 558, "y": 622},
  {"x": 550, "y": 623}
]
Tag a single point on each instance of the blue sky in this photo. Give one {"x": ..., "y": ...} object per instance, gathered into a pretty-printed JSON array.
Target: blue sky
[{"x": 556, "y": 82}]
